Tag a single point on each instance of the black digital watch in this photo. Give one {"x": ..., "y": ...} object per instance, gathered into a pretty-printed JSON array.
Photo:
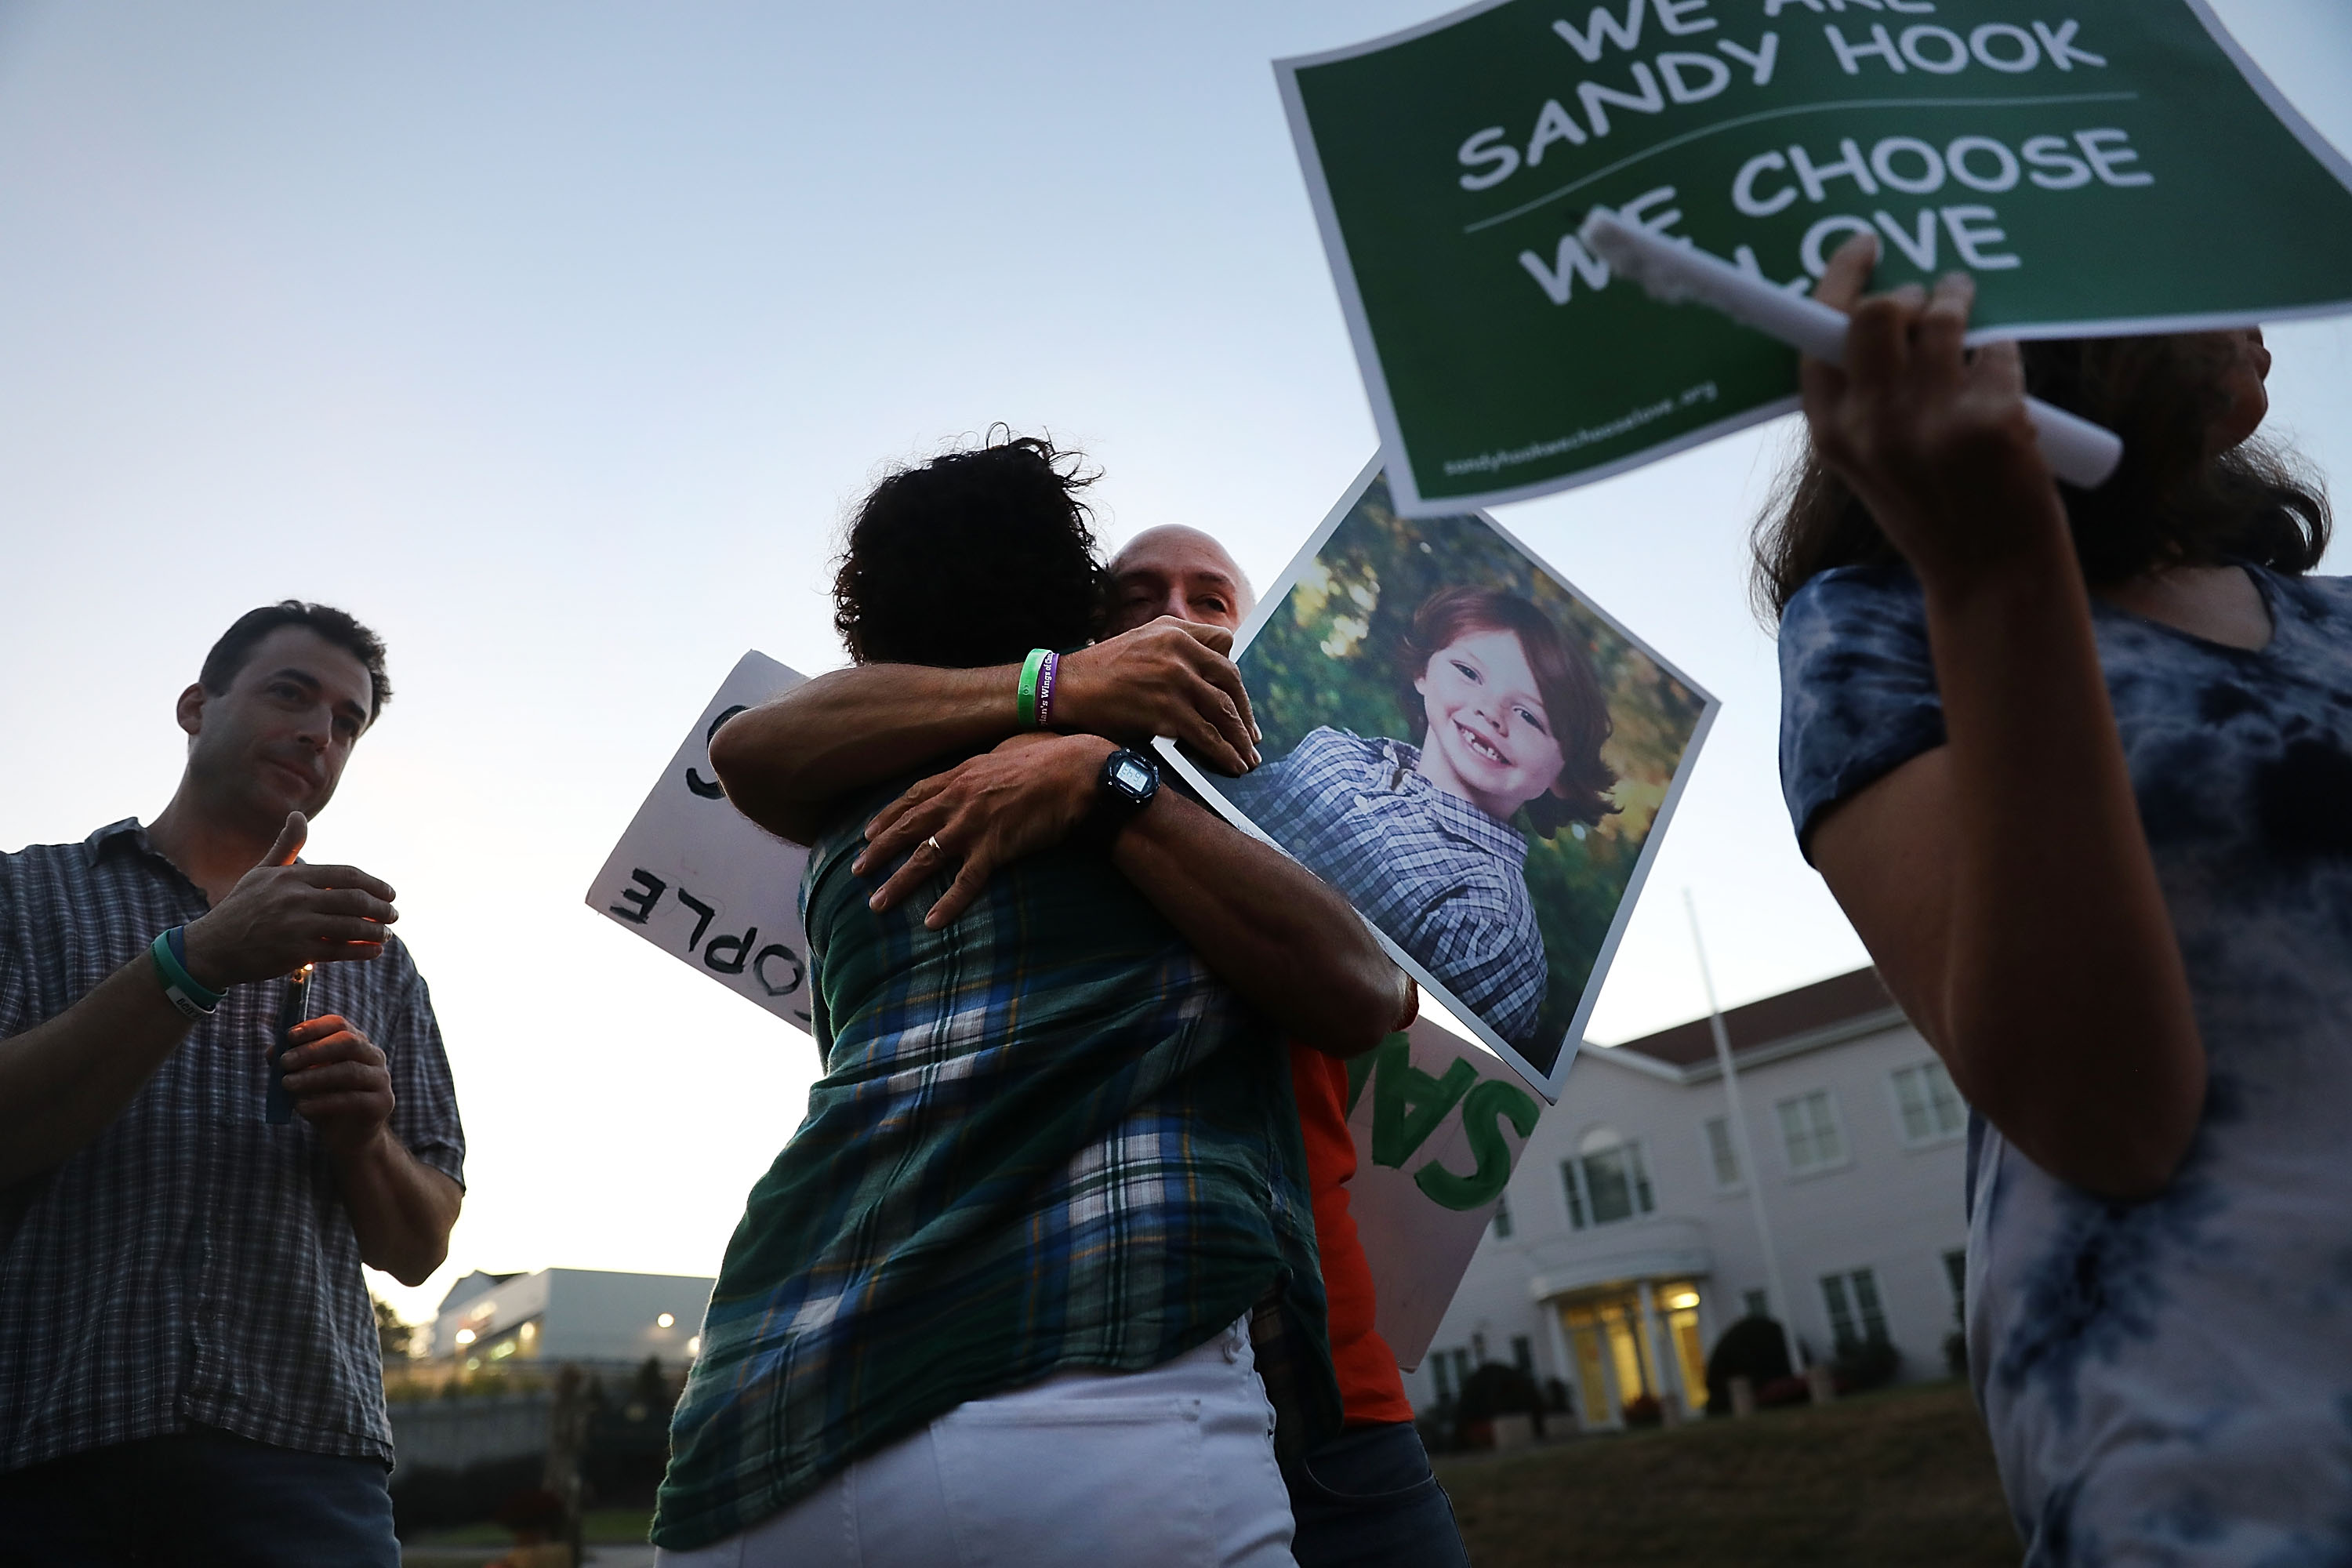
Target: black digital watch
[{"x": 1129, "y": 781}]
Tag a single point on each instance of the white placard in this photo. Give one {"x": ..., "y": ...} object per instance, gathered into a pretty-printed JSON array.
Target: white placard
[
  {"x": 704, "y": 883},
  {"x": 1439, "y": 1124}
]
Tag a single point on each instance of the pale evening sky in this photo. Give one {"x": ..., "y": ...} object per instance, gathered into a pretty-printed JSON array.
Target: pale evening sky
[{"x": 553, "y": 340}]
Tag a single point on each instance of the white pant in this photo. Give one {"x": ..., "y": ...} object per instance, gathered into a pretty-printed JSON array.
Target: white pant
[{"x": 1173, "y": 1467}]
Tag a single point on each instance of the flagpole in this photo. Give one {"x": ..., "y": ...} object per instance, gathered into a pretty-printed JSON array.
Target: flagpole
[{"x": 1780, "y": 1301}]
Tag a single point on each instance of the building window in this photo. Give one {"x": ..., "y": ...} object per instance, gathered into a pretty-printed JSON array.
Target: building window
[
  {"x": 1757, "y": 1306},
  {"x": 1929, "y": 1107},
  {"x": 1452, "y": 1369},
  {"x": 1809, "y": 1128},
  {"x": 1956, "y": 1275},
  {"x": 1503, "y": 1218},
  {"x": 1855, "y": 1316},
  {"x": 1721, "y": 1152},
  {"x": 1607, "y": 1182},
  {"x": 1523, "y": 1355}
]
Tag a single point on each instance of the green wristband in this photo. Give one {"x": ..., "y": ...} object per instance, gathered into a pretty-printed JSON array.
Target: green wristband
[
  {"x": 1031, "y": 668},
  {"x": 193, "y": 999}
]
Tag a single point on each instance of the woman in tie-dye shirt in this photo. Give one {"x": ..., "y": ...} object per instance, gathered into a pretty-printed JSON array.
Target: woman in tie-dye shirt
[{"x": 2078, "y": 764}]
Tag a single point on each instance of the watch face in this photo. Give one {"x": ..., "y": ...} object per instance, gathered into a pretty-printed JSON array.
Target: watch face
[{"x": 1133, "y": 776}]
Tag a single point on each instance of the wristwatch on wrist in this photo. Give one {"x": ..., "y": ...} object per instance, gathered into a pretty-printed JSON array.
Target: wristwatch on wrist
[{"x": 1129, "y": 781}]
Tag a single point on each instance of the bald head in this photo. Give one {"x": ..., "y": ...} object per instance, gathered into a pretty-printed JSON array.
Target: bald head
[{"x": 1180, "y": 571}]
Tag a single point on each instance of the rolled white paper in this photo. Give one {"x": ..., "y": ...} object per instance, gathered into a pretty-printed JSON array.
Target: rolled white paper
[{"x": 2081, "y": 453}]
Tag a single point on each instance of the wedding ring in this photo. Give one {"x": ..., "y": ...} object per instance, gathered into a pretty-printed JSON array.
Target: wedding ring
[{"x": 936, "y": 848}]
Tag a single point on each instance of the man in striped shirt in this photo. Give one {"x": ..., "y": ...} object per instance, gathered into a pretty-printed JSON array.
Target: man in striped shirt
[{"x": 188, "y": 1357}]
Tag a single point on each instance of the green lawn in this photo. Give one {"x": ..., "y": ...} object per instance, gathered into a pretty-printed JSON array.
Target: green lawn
[{"x": 1902, "y": 1477}]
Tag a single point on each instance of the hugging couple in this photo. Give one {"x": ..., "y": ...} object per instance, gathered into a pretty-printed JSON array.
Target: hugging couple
[{"x": 1060, "y": 1267}]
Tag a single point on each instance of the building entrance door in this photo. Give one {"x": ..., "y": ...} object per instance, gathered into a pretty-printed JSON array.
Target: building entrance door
[{"x": 1616, "y": 1358}]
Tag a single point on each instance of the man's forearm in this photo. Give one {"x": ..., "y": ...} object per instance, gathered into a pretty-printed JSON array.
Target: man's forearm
[
  {"x": 401, "y": 1209},
  {"x": 63, "y": 1082},
  {"x": 787, "y": 761},
  {"x": 1267, "y": 926}
]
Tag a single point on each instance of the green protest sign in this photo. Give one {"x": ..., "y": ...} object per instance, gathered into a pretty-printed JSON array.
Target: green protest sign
[{"x": 2100, "y": 166}]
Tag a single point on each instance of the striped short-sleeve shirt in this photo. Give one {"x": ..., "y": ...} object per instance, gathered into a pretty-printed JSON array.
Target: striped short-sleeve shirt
[{"x": 193, "y": 1264}]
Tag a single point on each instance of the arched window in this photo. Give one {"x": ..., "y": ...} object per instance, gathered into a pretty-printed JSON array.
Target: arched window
[{"x": 1607, "y": 1182}]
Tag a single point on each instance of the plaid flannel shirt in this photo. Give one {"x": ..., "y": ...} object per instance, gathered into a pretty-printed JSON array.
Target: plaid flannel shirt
[
  {"x": 1047, "y": 1139},
  {"x": 1441, "y": 878},
  {"x": 193, "y": 1264}
]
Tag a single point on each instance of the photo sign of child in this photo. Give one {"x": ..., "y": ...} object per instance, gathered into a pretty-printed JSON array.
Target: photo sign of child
[{"x": 1476, "y": 755}]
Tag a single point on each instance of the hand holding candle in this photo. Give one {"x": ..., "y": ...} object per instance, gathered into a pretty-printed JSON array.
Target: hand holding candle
[
  {"x": 338, "y": 1080},
  {"x": 279, "y": 1108}
]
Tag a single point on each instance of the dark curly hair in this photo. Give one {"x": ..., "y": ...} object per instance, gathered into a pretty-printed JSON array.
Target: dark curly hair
[
  {"x": 234, "y": 651},
  {"x": 1573, "y": 703},
  {"x": 972, "y": 559},
  {"x": 2168, "y": 504}
]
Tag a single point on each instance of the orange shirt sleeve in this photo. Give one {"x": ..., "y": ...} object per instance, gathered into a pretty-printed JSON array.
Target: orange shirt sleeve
[{"x": 1370, "y": 1387}]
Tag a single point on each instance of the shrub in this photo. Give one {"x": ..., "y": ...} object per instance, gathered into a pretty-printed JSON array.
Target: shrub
[
  {"x": 1865, "y": 1364},
  {"x": 1496, "y": 1389},
  {"x": 1752, "y": 1348}
]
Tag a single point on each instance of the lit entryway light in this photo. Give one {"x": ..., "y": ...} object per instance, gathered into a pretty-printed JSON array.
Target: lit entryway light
[
  {"x": 1681, "y": 1300},
  {"x": 465, "y": 1336},
  {"x": 665, "y": 1321}
]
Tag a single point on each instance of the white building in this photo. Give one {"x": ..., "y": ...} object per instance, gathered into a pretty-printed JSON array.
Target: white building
[
  {"x": 585, "y": 1315},
  {"x": 1627, "y": 1242}
]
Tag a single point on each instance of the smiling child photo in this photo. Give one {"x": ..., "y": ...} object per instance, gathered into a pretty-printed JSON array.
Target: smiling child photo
[{"x": 1479, "y": 758}]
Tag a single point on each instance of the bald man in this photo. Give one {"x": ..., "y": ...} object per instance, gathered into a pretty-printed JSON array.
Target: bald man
[
  {"x": 1179, "y": 573},
  {"x": 1367, "y": 1497}
]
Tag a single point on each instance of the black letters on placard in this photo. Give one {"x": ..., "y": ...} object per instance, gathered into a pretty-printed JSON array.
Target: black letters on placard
[
  {"x": 736, "y": 946},
  {"x": 710, "y": 789},
  {"x": 640, "y": 901},
  {"x": 702, "y": 917},
  {"x": 760, "y": 970},
  {"x": 778, "y": 970}
]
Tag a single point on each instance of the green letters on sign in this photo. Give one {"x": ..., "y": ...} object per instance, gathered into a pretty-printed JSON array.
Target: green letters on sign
[
  {"x": 1480, "y": 1109},
  {"x": 1408, "y": 1105}
]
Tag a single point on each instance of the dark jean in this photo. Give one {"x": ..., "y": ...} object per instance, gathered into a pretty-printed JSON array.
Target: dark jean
[
  {"x": 200, "y": 1500},
  {"x": 1368, "y": 1499}
]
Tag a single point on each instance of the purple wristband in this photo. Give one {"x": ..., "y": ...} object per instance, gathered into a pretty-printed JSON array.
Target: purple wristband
[{"x": 1046, "y": 690}]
